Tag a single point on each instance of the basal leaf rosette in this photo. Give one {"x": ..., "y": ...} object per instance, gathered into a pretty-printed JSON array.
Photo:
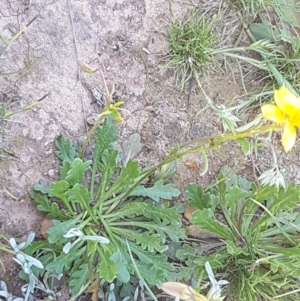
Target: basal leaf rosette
[{"x": 285, "y": 111}]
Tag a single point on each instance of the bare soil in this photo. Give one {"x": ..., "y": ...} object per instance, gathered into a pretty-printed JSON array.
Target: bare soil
[{"x": 126, "y": 39}]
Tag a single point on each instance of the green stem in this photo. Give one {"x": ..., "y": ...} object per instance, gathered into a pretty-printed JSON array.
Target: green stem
[
  {"x": 229, "y": 219},
  {"x": 202, "y": 143},
  {"x": 94, "y": 170},
  {"x": 5, "y": 249},
  {"x": 139, "y": 274},
  {"x": 113, "y": 216},
  {"x": 115, "y": 226},
  {"x": 66, "y": 202},
  {"x": 113, "y": 200},
  {"x": 91, "y": 132},
  {"x": 231, "y": 136}
]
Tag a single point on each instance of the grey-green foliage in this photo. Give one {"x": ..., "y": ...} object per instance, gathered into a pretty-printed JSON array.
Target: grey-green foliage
[
  {"x": 258, "y": 249},
  {"x": 97, "y": 205},
  {"x": 6, "y": 295},
  {"x": 30, "y": 267}
]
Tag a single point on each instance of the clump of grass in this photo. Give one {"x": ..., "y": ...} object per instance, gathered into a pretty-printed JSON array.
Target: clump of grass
[{"x": 189, "y": 43}]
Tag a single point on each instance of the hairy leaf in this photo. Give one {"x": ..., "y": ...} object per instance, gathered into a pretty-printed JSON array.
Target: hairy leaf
[
  {"x": 64, "y": 169},
  {"x": 43, "y": 204},
  {"x": 205, "y": 219},
  {"x": 105, "y": 136},
  {"x": 191, "y": 270},
  {"x": 81, "y": 195},
  {"x": 65, "y": 151},
  {"x": 59, "y": 229},
  {"x": 79, "y": 279},
  {"x": 59, "y": 189},
  {"x": 107, "y": 166},
  {"x": 199, "y": 200},
  {"x": 244, "y": 183},
  {"x": 63, "y": 262},
  {"x": 227, "y": 178},
  {"x": 154, "y": 268},
  {"x": 133, "y": 209},
  {"x": 77, "y": 171},
  {"x": 285, "y": 200},
  {"x": 232, "y": 248},
  {"x": 162, "y": 213},
  {"x": 123, "y": 265},
  {"x": 108, "y": 161},
  {"x": 126, "y": 177},
  {"x": 290, "y": 268},
  {"x": 131, "y": 147},
  {"x": 42, "y": 186},
  {"x": 264, "y": 192},
  {"x": 189, "y": 251},
  {"x": 159, "y": 190},
  {"x": 107, "y": 268},
  {"x": 245, "y": 145},
  {"x": 288, "y": 11},
  {"x": 175, "y": 232},
  {"x": 264, "y": 31},
  {"x": 233, "y": 196},
  {"x": 148, "y": 241}
]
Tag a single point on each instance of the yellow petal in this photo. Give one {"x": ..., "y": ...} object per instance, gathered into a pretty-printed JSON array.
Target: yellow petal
[
  {"x": 287, "y": 102},
  {"x": 288, "y": 137},
  {"x": 273, "y": 113},
  {"x": 295, "y": 121}
]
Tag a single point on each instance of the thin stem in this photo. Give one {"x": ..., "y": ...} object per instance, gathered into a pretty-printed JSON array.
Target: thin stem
[
  {"x": 3, "y": 248},
  {"x": 91, "y": 131},
  {"x": 209, "y": 142},
  {"x": 139, "y": 274},
  {"x": 94, "y": 170},
  {"x": 233, "y": 136}
]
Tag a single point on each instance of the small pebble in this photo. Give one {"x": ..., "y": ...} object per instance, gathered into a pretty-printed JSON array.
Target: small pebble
[
  {"x": 50, "y": 151},
  {"x": 51, "y": 172}
]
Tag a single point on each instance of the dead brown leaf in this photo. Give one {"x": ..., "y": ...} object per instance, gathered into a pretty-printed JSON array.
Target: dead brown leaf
[
  {"x": 188, "y": 212},
  {"x": 94, "y": 289},
  {"x": 45, "y": 225},
  {"x": 198, "y": 232},
  {"x": 191, "y": 164}
]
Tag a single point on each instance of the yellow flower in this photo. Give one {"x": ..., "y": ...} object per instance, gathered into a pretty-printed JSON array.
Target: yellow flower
[{"x": 285, "y": 111}]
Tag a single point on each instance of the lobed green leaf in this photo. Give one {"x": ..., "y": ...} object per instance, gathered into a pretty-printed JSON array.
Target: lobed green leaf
[
  {"x": 79, "y": 279},
  {"x": 52, "y": 209},
  {"x": 157, "y": 191},
  {"x": 65, "y": 151},
  {"x": 107, "y": 269},
  {"x": 77, "y": 171},
  {"x": 205, "y": 219},
  {"x": 106, "y": 135},
  {"x": 63, "y": 262},
  {"x": 59, "y": 229},
  {"x": 127, "y": 176}
]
